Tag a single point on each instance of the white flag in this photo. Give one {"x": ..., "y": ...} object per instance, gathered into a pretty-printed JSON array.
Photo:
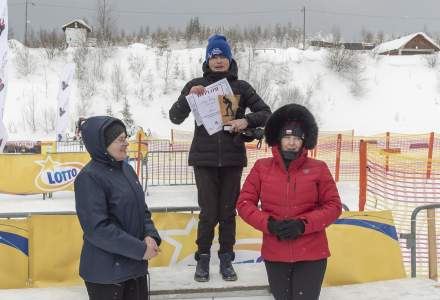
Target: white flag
[
  {"x": 66, "y": 77},
  {"x": 3, "y": 71},
  {"x": 3, "y": 136}
]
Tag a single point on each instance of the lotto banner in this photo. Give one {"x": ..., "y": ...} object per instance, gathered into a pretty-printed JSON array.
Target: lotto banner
[
  {"x": 363, "y": 244},
  {"x": 14, "y": 253},
  {"x": 56, "y": 241},
  {"x": 179, "y": 232},
  {"x": 36, "y": 174},
  {"x": 55, "y": 247},
  {"x": 364, "y": 248}
]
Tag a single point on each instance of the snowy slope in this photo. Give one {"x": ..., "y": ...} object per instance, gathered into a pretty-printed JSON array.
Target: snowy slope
[{"x": 399, "y": 94}]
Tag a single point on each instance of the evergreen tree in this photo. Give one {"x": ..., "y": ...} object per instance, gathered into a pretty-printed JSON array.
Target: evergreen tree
[{"x": 127, "y": 116}]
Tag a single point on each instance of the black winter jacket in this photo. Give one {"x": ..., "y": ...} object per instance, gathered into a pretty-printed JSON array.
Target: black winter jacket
[
  {"x": 220, "y": 149},
  {"x": 111, "y": 208}
]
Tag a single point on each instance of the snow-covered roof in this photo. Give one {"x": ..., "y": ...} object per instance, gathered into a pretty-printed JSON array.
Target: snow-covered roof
[
  {"x": 401, "y": 42},
  {"x": 82, "y": 22}
]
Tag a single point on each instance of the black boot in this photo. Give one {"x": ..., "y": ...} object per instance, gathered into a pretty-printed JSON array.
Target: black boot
[
  {"x": 202, "y": 268},
  {"x": 226, "y": 268}
]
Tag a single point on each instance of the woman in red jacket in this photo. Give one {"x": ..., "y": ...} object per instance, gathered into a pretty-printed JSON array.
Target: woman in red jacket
[{"x": 299, "y": 199}]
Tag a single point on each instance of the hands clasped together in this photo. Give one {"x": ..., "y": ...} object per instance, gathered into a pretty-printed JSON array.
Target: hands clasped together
[
  {"x": 152, "y": 248},
  {"x": 286, "y": 229}
]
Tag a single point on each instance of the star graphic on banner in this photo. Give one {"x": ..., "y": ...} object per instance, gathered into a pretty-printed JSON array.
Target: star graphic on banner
[
  {"x": 48, "y": 164},
  {"x": 182, "y": 240}
]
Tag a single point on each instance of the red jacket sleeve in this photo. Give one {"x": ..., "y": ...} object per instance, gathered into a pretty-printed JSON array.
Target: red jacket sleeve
[
  {"x": 247, "y": 204},
  {"x": 330, "y": 206}
]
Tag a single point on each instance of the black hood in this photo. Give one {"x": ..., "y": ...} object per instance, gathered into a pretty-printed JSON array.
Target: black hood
[
  {"x": 292, "y": 112},
  {"x": 231, "y": 74},
  {"x": 92, "y": 132}
]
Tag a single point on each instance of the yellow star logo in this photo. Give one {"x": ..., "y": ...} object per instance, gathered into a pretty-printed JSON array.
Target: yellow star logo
[
  {"x": 183, "y": 240},
  {"x": 48, "y": 164},
  {"x": 179, "y": 233}
]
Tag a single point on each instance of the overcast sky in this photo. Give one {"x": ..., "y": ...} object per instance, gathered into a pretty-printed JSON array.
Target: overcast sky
[{"x": 350, "y": 16}]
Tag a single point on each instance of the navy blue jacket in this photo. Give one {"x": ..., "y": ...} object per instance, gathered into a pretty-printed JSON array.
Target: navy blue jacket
[{"x": 111, "y": 208}]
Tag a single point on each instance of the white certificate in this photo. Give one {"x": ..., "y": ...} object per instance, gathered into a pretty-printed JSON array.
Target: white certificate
[{"x": 206, "y": 109}]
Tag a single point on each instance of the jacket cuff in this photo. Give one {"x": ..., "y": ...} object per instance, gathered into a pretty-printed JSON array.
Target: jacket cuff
[
  {"x": 307, "y": 226},
  {"x": 156, "y": 238},
  {"x": 248, "y": 119},
  {"x": 141, "y": 250}
]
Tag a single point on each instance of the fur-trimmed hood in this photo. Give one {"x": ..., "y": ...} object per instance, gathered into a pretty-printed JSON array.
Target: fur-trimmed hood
[{"x": 292, "y": 112}]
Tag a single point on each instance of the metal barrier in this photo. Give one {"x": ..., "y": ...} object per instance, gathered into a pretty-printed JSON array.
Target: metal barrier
[
  {"x": 70, "y": 146},
  {"x": 168, "y": 168},
  {"x": 411, "y": 237},
  {"x": 190, "y": 209}
]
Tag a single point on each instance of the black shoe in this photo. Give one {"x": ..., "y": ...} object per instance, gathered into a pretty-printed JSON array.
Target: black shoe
[
  {"x": 202, "y": 268},
  {"x": 226, "y": 269}
]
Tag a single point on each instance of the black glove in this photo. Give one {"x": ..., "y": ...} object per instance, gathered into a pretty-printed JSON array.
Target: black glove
[
  {"x": 290, "y": 229},
  {"x": 273, "y": 226}
]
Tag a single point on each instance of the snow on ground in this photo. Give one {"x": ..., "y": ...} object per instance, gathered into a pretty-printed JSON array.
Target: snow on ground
[
  {"x": 158, "y": 197},
  {"x": 252, "y": 284},
  {"x": 390, "y": 93}
]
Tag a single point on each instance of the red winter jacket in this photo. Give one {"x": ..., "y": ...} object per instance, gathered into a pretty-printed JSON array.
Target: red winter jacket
[{"x": 305, "y": 191}]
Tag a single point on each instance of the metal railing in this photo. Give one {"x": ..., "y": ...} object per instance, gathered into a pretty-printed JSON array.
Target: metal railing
[
  {"x": 19, "y": 215},
  {"x": 70, "y": 146},
  {"x": 411, "y": 237},
  {"x": 168, "y": 168}
]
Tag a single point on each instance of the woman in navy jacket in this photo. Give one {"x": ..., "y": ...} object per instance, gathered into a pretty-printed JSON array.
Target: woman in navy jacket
[{"x": 119, "y": 235}]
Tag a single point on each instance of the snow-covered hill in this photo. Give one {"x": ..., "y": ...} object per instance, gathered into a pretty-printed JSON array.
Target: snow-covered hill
[{"x": 384, "y": 93}]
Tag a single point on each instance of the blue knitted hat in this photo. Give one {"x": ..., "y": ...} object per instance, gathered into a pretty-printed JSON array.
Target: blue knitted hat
[{"x": 217, "y": 45}]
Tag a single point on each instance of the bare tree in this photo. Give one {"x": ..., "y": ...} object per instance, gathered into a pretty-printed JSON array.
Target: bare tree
[
  {"x": 52, "y": 42},
  {"x": 342, "y": 60},
  {"x": 24, "y": 61},
  {"x": 261, "y": 82},
  {"x": 106, "y": 24},
  {"x": 336, "y": 34},
  {"x": 96, "y": 64},
  {"x": 160, "y": 40},
  {"x": 108, "y": 109},
  {"x": 127, "y": 116},
  {"x": 167, "y": 70},
  {"x": 380, "y": 37},
  {"x": 118, "y": 87},
  {"x": 290, "y": 94},
  {"x": 83, "y": 105},
  {"x": 48, "y": 121},
  {"x": 29, "y": 114},
  {"x": 136, "y": 64},
  {"x": 431, "y": 60},
  {"x": 367, "y": 36},
  {"x": 80, "y": 57}
]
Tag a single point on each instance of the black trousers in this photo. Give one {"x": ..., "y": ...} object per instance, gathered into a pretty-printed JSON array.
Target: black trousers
[
  {"x": 132, "y": 289},
  {"x": 296, "y": 281},
  {"x": 217, "y": 189}
]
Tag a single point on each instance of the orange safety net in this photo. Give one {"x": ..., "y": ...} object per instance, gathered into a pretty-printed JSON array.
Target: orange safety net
[{"x": 400, "y": 181}]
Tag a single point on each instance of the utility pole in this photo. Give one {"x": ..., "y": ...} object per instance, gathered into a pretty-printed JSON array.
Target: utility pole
[
  {"x": 26, "y": 21},
  {"x": 304, "y": 27},
  {"x": 103, "y": 23}
]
